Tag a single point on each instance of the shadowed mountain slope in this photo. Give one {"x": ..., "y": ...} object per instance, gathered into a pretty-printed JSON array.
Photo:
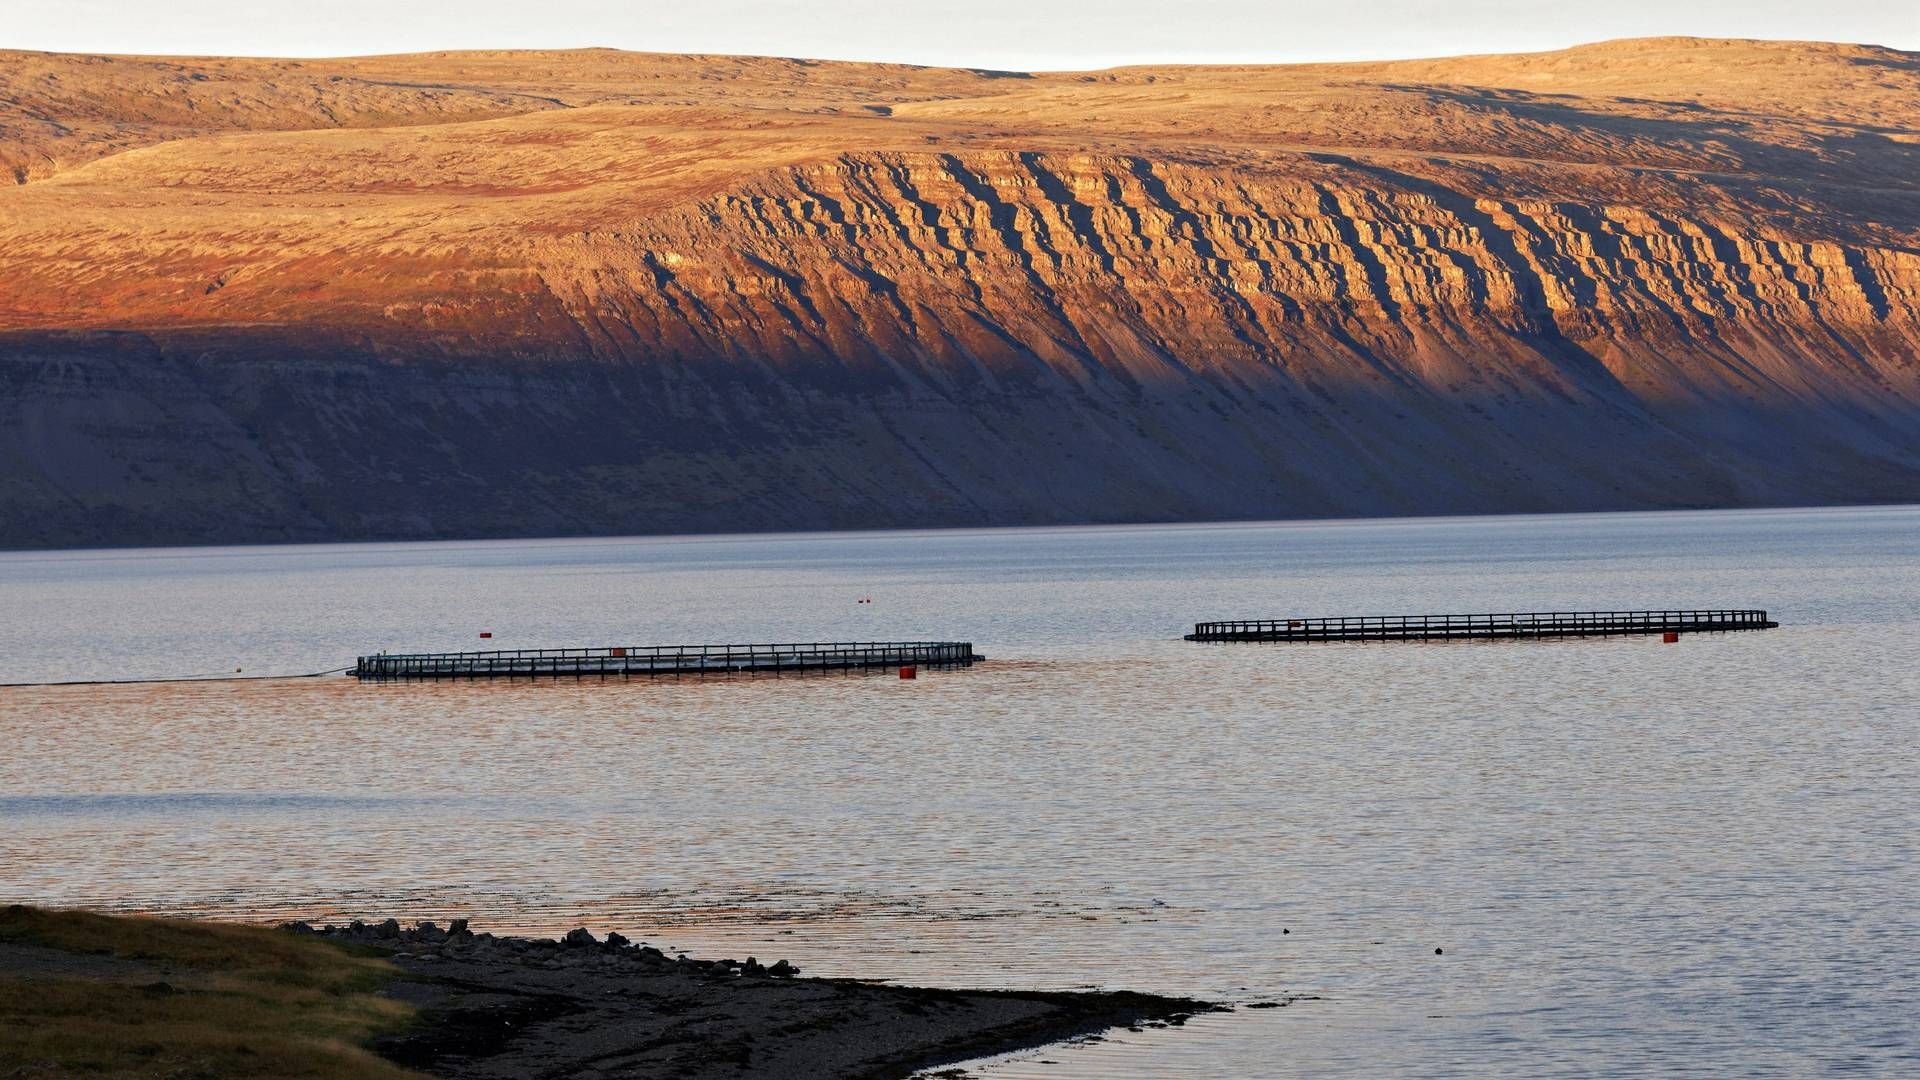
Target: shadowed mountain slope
[{"x": 529, "y": 293}]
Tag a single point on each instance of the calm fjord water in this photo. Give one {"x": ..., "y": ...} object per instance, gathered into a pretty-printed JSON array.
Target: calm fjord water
[{"x": 1637, "y": 857}]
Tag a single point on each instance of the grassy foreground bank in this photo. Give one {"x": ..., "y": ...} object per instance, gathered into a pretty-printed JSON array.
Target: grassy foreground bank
[{"x": 116, "y": 996}]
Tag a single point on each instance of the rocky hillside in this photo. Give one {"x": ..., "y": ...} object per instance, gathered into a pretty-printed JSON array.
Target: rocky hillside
[{"x": 546, "y": 293}]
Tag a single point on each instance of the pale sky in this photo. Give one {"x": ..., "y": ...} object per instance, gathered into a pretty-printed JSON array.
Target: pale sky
[{"x": 1013, "y": 34}]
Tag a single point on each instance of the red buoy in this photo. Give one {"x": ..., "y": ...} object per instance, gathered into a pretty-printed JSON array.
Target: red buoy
[
  {"x": 1669, "y": 637},
  {"x": 909, "y": 672},
  {"x": 486, "y": 633}
]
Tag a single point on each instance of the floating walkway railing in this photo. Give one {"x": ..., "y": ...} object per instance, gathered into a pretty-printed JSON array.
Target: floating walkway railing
[
  {"x": 621, "y": 662},
  {"x": 1510, "y": 625}
]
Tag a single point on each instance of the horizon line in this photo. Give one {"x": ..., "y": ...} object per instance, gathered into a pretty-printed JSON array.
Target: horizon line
[{"x": 1106, "y": 63}]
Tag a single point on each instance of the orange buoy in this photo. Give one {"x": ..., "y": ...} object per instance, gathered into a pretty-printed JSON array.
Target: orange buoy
[
  {"x": 909, "y": 672},
  {"x": 1669, "y": 637}
]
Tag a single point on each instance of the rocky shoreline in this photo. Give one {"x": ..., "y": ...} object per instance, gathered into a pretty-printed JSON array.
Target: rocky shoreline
[{"x": 506, "y": 1008}]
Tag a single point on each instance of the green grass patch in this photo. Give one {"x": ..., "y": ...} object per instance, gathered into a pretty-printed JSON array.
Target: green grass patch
[{"x": 187, "y": 1000}]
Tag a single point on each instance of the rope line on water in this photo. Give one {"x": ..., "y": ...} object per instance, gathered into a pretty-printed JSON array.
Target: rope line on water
[{"x": 175, "y": 679}]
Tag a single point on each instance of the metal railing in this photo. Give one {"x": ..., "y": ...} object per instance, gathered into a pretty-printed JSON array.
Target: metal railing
[
  {"x": 625, "y": 661},
  {"x": 1508, "y": 624}
]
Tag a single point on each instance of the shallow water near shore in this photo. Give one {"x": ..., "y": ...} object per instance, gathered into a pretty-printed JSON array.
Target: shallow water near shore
[{"x": 1637, "y": 857}]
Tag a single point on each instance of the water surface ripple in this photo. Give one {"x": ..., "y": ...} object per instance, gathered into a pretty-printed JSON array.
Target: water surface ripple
[{"x": 1638, "y": 858}]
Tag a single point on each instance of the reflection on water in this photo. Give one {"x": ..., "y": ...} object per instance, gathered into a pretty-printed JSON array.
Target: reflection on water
[{"x": 1636, "y": 857}]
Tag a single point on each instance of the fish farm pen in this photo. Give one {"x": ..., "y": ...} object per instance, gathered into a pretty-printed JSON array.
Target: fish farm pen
[
  {"x": 1531, "y": 624},
  {"x": 628, "y": 661}
]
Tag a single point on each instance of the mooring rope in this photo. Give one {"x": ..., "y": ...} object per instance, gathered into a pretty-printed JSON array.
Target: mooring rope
[{"x": 210, "y": 677}]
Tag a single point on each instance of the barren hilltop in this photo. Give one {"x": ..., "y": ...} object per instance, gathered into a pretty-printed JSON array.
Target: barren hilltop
[{"x": 533, "y": 293}]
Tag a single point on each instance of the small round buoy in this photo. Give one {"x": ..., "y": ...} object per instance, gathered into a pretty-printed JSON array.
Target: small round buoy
[
  {"x": 236, "y": 671},
  {"x": 1436, "y": 952},
  {"x": 1284, "y": 930}
]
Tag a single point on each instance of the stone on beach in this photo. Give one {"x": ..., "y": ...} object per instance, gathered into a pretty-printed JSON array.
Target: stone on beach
[{"x": 506, "y": 1007}]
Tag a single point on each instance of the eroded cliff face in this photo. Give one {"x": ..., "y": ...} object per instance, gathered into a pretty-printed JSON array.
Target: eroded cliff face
[{"x": 904, "y": 298}]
